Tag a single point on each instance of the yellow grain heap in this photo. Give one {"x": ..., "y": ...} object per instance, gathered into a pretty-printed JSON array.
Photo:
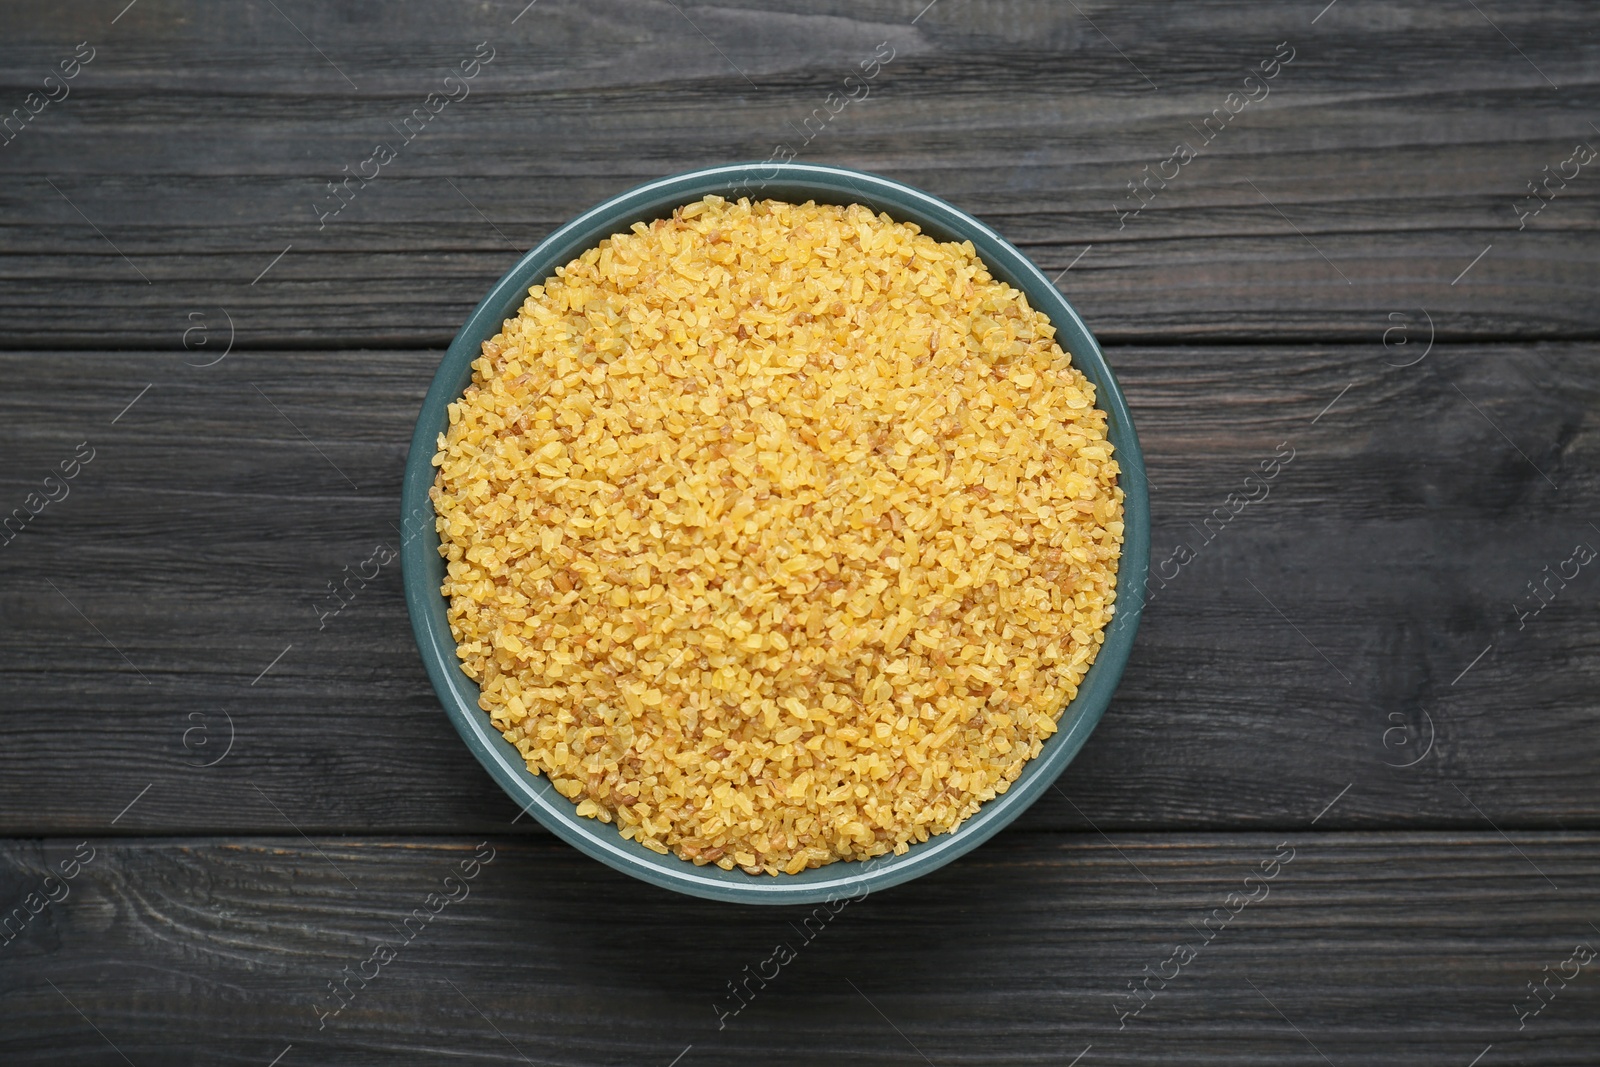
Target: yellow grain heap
[{"x": 780, "y": 534}]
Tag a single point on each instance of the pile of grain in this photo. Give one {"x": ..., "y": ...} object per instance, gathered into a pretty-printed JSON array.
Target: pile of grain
[{"x": 779, "y": 534}]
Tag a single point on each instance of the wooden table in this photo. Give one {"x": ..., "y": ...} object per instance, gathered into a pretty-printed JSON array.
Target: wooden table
[{"x": 1343, "y": 808}]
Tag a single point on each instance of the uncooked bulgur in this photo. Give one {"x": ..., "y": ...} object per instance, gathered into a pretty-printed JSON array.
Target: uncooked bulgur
[{"x": 779, "y": 534}]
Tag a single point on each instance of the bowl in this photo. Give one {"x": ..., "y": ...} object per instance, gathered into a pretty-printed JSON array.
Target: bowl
[{"x": 423, "y": 568}]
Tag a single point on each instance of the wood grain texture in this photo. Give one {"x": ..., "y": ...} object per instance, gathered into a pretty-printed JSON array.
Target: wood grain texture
[
  {"x": 1319, "y": 640},
  {"x": 1371, "y": 949},
  {"x": 1389, "y": 153},
  {"x": 1350, "y": 667}
]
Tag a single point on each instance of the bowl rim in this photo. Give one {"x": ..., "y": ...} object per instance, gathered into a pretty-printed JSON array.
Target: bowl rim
[{"x": 422, "y": 568}]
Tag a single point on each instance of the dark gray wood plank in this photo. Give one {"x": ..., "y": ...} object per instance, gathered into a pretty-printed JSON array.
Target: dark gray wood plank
[
  {"x": 1391, "y": 152},
  {"x": 1376, "y": 949},
  {"x": 1360, "y": 617}
]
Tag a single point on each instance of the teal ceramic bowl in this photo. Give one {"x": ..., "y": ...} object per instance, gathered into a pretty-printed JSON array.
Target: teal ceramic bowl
[{"x": 424, "y": 569}]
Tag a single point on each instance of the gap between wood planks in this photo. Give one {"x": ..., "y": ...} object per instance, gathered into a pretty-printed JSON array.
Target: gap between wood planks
[{"x": 1106, "y": 340}]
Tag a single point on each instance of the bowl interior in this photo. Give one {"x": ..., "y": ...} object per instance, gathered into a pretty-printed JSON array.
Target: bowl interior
[{"x": 423, "y": 568}]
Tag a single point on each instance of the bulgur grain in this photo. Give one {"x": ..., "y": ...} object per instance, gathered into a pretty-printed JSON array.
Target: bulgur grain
[{"x": 778, "y": 534}]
